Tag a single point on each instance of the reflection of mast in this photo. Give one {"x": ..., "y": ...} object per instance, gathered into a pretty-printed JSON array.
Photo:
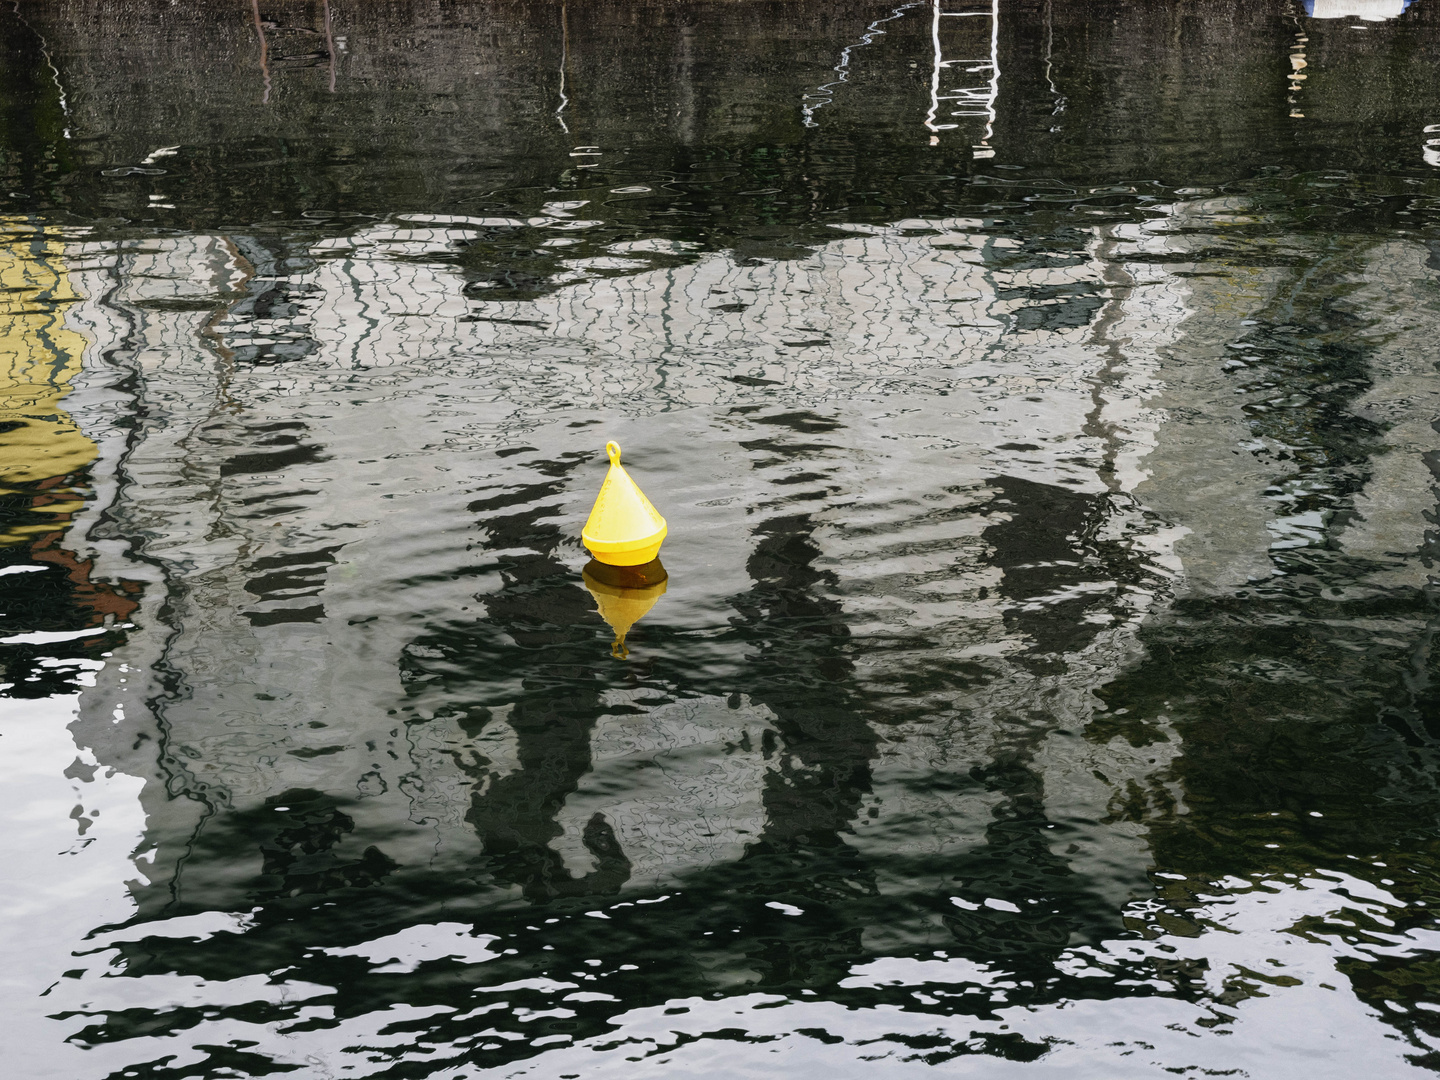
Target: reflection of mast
[
  {"x": 970, "y": 100},
  {"x": 264, "y": 25},
  {"x": 64, "y": 100}
]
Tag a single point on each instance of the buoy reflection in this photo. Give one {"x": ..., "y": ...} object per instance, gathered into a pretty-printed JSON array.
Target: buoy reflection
[{"x": 623, "y": 595}]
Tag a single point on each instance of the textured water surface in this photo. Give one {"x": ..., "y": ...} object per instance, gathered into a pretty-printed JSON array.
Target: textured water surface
[{"x": 1042, "y": 397}]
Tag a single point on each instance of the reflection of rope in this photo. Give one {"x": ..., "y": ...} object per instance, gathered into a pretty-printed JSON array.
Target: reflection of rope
[
  {"x": 264, "y": 52},
  {"x": 564, "y": 59},
  {"x": 872, "y": 31}
]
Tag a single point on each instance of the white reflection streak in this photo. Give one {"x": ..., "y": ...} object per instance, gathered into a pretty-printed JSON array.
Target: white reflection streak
[
  {"x": 50, "y": 63},
  {"x": 1060, "y": 98},
  {"x": 843, "y": 67},
  {"x": 994, "y": 96},
  {"x": 1246, "y": 926},
  {"x": 564, "y": 60},
  {"x": 973, "y": 101},
  {"x": 935, "y": 65},
  {"x": 1431, "y": 150}
]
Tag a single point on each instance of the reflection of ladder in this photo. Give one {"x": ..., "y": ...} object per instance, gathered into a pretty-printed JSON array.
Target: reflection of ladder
[{"x": 968, "y": 84}]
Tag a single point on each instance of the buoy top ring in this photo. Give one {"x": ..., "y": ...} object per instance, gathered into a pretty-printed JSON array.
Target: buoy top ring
[{"x": 613, "y": 449}]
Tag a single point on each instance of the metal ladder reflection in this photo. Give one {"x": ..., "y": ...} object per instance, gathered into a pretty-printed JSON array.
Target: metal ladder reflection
[{"x": 967, "y": 30}]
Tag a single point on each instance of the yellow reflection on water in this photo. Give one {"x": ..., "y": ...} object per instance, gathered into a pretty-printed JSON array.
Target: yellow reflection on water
[
  {"x": 623, "y": 595},
  {"x": 39, "y": 356}
]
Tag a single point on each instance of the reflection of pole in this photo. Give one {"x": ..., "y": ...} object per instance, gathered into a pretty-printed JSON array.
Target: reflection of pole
[
  {"x": 264, "y": 52},
  {"x": 791, "y": 625},
  {"x": 564, "y": 59},
  {"x": 994, "y": 96},
  {"x": 972, "y": 100},
  {"x": 935, "y": 65},
  {"x": 329, "y": 42}
]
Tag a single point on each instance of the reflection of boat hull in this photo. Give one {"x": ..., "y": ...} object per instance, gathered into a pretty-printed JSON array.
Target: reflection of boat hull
[
  {"x": 1369, "y": 10},
  {"x": 40, "y": 443}
]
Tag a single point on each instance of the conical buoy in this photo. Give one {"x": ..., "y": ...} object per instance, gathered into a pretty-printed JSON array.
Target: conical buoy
[
  {"x": 623, "y": 595},
  {"x": 623, "y": 528}
]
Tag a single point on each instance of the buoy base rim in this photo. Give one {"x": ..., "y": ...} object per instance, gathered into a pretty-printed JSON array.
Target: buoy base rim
[
  {"x": 626, "y": 552},
  {"x": 634, "y": 557}
]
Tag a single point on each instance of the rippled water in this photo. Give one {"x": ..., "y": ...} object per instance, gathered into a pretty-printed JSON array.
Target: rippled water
[{"x": 1043, "y": 399}]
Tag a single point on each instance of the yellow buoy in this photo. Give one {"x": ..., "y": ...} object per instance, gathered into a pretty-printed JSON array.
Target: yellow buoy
[
  {"x": 623, "y": 528},
  {"x": 623, "y": 595}
]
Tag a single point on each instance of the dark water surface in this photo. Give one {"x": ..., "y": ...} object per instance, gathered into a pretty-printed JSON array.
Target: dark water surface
[{"x": 1043, "y": 398}]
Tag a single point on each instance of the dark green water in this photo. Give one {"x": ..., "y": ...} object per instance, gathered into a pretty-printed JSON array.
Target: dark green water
[{"x": 1043, "y": 399}]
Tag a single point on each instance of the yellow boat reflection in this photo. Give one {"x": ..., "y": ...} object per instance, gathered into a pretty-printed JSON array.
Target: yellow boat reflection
[{"x": 40, "y": 444}]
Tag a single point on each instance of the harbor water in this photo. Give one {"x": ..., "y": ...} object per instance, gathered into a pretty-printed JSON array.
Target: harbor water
[{"x": 1044, "y": 401}]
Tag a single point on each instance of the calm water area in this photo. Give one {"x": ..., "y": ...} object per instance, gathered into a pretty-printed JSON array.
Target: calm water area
[{"x": 1044, "y": 675}]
